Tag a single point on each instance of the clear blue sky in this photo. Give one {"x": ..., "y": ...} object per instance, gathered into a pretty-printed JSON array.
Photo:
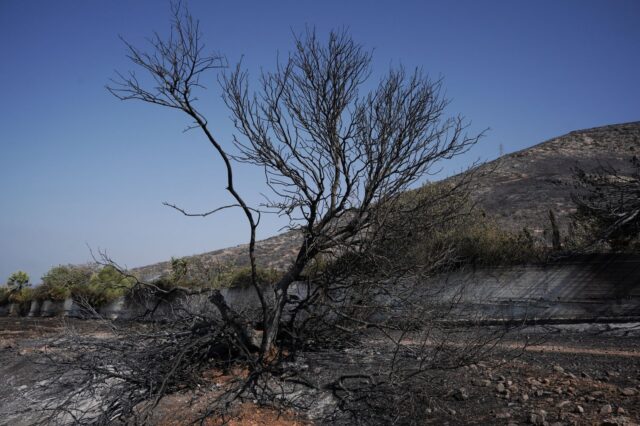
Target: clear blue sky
[{"x": 79, "y": 168}]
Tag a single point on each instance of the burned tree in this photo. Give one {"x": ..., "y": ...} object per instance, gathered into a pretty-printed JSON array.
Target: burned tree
[
  {"x": 340, "y": 164},
  {"x": 608, "y": 204},
  {"x": 334, "y": 158}
]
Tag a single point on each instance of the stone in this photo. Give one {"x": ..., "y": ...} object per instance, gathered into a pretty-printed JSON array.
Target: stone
[
  {"x": 500, "y": 388},
  {"x": 618, "y": 421},
  {"x": 628, "y": 391},
  {"x": 621, "y": 411},
  {"x": 579, "y": 409},
  {"x": 558, "y": 369},
  {"x": 606, "y": 409},
  {"x": 481, "y": 383},
  {"x": 461, "y": 394},
  {"x": 538, "y": 417},
  {"x": 503, "y": 415},
  {"x": 563, "y": 404}
]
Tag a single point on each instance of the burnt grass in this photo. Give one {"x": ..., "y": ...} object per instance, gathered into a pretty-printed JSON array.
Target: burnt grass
[{"x": 580, "y": 374}]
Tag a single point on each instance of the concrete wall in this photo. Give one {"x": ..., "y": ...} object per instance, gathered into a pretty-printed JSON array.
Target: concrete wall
[{"x": 591, "y": 287}]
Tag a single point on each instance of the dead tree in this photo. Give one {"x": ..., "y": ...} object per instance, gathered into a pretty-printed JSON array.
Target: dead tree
[
  {"x": 333, "y": 157},
  {"x": 608, "y": 204},
  {"x": 341, "y": 163}
]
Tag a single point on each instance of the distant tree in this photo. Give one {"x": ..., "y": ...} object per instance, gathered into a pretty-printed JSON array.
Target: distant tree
[
  {"x": 104, "y": 286},
  {"x": 608, "y": 204},
  {"x": 17, "y": 281},
  {"x": 59, "y": 280}
]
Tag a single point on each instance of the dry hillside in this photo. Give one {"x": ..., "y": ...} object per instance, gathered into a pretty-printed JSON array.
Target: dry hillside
[
  {"x": 519, "y": 191},
  {"x": 525, "y": 185}
]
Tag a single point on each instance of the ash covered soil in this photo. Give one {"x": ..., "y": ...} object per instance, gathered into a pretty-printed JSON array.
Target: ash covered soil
[{"x": 582, "y": 374}]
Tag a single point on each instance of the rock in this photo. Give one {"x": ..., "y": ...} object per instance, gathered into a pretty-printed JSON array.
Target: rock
[
  {"x": 628, "y": 391},
  {"x": 621, "y": 411},
  {"x": 481, "y": 383},
  {"x": 452, "y": 412},
  {"x": 524, "y": 397},
  {"x": 538, "y": 417},
  {"x": 23, "y": 387},
  {"x": 618, "y": 421},
  {"x": 563, "y": 404},
  {"x": 579, "y": 409},
  {"x": 606, "y": 409},
  {"x": 500, "y": 388},
  {"x": 504, "y": 415},
  {"x": 558, "y": 369},
  {"x": 461, "y": 394}
]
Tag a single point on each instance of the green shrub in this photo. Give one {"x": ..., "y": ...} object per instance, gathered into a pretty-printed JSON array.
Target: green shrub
[
  {"x": 103, "y": 287},
  {"x": 22, "y": 296},
  {"x": 59, "y": 280}
]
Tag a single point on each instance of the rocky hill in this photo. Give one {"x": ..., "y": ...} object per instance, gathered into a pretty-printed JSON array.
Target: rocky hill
[
  {"x": 518, "y": 189},
  {"x": 523, "y": 186}
]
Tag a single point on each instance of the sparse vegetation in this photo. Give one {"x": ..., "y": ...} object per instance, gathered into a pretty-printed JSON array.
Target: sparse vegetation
[{"x": 468, "y": 236}]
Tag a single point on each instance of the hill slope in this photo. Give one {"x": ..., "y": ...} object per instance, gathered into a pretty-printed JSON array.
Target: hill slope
[
  {"x": 519, "y": 191},
  {"x": 525, "y": 185}
]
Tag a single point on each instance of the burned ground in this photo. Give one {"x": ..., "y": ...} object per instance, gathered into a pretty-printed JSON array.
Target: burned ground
[{"x": 566, "y": 374}]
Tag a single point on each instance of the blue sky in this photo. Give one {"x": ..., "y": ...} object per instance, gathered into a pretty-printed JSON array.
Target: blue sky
[{"x": 80, "y": 169}]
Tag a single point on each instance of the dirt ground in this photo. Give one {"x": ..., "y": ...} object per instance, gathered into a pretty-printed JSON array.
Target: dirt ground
[{"x": 585, "y": 374}]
